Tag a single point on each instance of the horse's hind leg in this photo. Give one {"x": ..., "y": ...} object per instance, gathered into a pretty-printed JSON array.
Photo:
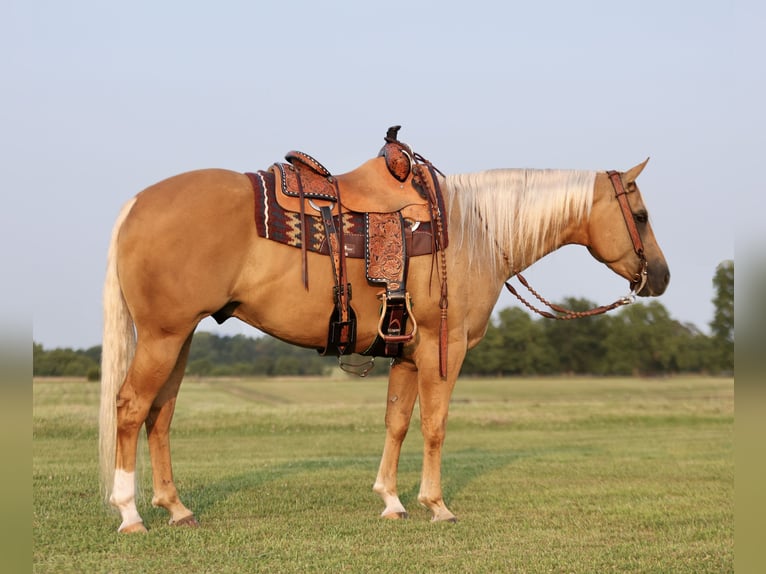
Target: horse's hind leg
[
  {"x": 402, "y": 392},
  {"x": 151, "y": 367},
  {"x": 158, "y": 433}
]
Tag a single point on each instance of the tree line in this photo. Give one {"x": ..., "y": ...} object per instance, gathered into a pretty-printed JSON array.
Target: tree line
[
  {"x": 210, "y": 355},
  {"x": 639, "y": 339}
]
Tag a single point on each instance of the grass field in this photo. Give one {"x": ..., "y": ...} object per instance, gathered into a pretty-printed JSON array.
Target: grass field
[{"x": 545, "y": 475}]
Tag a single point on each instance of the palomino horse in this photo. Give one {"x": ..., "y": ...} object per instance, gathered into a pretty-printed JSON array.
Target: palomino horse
[{"x": 187, "y": 247}]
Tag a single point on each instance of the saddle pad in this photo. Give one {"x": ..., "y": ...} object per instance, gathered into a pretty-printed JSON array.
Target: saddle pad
[{"x": 277, "y": 224}]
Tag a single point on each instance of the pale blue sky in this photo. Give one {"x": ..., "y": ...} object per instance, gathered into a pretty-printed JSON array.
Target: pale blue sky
[{"x": 101, "y": 99}]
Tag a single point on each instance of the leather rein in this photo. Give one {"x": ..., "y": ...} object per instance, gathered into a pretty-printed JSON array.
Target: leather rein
[{"x": 637, "y": 284}]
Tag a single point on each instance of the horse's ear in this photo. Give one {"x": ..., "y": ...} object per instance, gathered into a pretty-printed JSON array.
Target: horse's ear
[{"x": 633, "y": 173}]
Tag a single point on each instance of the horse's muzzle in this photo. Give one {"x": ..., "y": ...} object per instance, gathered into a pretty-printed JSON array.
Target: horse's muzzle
[{"x": 657, "y": 280}]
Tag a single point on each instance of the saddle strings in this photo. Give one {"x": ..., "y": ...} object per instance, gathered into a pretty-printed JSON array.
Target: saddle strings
[{"x": 431, "y": 186}]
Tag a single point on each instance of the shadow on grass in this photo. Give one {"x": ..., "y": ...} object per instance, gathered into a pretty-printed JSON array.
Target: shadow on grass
[
  {"x": 460, "y": 470},
  {"x": 203, "y": 499}
]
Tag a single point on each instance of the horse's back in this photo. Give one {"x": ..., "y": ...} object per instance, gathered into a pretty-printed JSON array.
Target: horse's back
[{"x": 208, "y": 190}]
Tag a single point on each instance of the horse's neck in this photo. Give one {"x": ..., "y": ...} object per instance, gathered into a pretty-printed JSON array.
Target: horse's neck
[
  {"x": 503, "y": 234},
  {"x": 483, "y": 274},
  {"x": 567, "y": 235}
]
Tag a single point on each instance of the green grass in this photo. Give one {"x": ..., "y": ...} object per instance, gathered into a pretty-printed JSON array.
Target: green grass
[{"x": 545, "y": 475}]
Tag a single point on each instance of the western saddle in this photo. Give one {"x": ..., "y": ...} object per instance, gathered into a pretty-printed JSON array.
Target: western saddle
[{"x": 395, "y": 199}]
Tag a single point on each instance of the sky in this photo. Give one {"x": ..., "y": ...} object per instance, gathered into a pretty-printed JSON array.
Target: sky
[{"x": 102, "y": 99}]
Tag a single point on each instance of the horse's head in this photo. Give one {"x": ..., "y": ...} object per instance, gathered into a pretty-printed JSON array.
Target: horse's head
[{"x": 621, "y": 236}]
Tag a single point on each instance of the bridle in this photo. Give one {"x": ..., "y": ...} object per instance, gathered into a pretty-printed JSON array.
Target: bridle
[
  {"x": 639, "y": 279},
  {"x": 637, "y": 283}
]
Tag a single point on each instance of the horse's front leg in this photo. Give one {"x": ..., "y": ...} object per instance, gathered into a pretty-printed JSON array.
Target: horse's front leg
[
  {"x": 435, "y": 393},
  {"x": 402, "y": 392}
]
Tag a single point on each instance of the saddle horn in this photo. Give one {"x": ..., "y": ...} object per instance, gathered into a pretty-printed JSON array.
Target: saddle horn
[
  {"x": 398, "y": 155},
  {"x": 391, "y": 134}
]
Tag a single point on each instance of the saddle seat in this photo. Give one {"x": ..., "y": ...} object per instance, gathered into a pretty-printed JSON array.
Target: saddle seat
[{"x": 370, "y": 188}]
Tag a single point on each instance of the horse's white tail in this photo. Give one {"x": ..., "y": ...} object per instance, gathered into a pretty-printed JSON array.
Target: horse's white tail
[{"x": 117, "y": 350}]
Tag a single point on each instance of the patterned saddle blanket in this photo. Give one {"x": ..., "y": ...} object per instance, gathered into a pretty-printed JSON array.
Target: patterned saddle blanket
[{"x": 274, "y": 222}]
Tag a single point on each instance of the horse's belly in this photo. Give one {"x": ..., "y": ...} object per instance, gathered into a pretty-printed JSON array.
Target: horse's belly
[{"x": 274, "y": 299}]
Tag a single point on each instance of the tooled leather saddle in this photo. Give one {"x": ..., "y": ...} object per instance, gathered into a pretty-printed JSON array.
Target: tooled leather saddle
[{"x": 387, "y": 210}]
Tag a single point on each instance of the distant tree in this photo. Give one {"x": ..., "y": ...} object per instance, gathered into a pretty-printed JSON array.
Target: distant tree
[
  {"x": 722, "y": 325},
  {"x": 287, "y": 365},
  {"x": 61, "y": 362},
  {"x": 213, "y": 355},
  {"x": 578, "y": 345},
  {"x": 93, "y": 353},
  {"x": 695, "y": 350},
  {"x": 486, "y": 358},
  {"x": 514, "y": 344},
  {"x": 526, "y": 350},
  {"x": 644, "y": 340},
  {"x": 200, "y": 367}
]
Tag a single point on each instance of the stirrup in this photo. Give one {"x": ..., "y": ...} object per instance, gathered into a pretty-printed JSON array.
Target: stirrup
[
  {"x": 356, "y": 364},
  {"x": 406, "y": 338}
]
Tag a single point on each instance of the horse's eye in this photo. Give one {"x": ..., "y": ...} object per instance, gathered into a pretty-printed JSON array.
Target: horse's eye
[{"x": 641, "y": 217}]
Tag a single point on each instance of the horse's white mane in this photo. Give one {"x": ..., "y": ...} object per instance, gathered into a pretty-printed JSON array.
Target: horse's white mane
[{"x": 516, "y": 211}]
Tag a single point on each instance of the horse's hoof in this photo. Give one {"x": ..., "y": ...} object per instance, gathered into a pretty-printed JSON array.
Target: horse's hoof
[
  {"x": 133, "y": 528},
  {"x": 185, "y": 521},
  {"x": 395, "y": 516}
]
